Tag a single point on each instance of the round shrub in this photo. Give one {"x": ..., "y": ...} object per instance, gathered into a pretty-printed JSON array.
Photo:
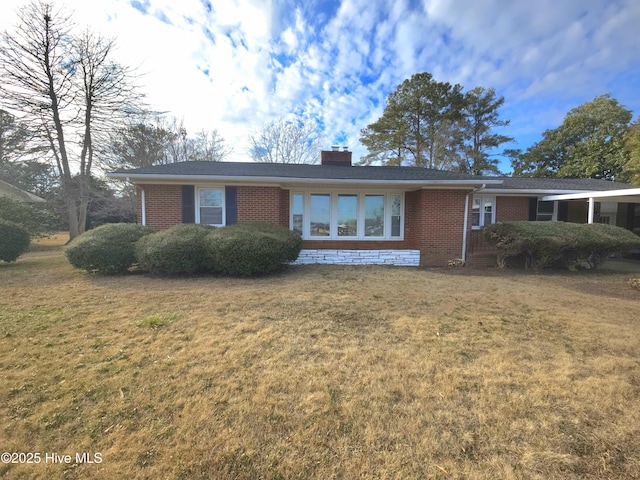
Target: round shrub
[
  {"x": 558, "y": 244},
  {"x": 14, "y": 240},
  {"x": 178, "y": 250},
  {"x": 252, "y": 248},
  {"x": 108, "y": 249}
]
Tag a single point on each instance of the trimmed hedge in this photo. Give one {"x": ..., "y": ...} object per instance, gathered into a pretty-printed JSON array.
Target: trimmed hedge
[
  {"x": 108, "y": 249},
  {"x": 238, "y": 250},
  {"x": 178, "y": 250},
  {"x": 252, "y": 248},
  {"x": 557, "y": 244},
  {"x": 14, "y": 240}
]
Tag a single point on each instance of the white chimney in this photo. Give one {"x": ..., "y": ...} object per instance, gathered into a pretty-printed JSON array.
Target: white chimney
[{"x": 335, "y": 148}]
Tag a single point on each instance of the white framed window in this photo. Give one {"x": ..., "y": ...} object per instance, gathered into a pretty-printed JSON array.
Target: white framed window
[
  {"x": 347, "y": 210},
  {"x": 297, "y": 212},
  {"x": 320, "y": 215},
  {"x": 547, "y": 211},
  {"x": 210, "y": 206},
  {"x": 483, "y": 211},
  {"x": 345, "y": 215}
]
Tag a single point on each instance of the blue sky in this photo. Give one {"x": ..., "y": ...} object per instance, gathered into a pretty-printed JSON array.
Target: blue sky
[{"x": 234, "y": 65}]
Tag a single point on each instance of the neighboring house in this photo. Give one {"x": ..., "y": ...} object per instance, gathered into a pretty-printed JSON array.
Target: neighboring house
[
  {"x": 8, "y": 190},
  {"x": 358, "y": 214}
]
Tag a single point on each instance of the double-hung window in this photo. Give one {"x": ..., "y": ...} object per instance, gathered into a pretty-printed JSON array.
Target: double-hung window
[
  {"x": 348, "y": 216},
  {"x": 547, "y": 211},
  {"x": 483, "y": 211},
  {"x": 210, "y": 206}
]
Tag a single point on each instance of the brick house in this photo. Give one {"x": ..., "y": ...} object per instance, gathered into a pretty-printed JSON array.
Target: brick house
[{"x": 355, "y": 214}]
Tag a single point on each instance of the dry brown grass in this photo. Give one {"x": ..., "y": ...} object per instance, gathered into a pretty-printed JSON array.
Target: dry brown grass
[{"x": 320, "y": 372}]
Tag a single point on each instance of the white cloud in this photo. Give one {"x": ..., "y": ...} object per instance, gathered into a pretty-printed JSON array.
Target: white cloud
[{"x": 242, "y": 63}]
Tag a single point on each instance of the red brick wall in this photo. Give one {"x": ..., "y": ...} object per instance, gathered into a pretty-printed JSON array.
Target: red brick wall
[
  {"x": 264, "y": 204},
  {"x": 509, "y": 209},
  {"x": 441, "y": 216},
  {"x": 435, "y": 222},
  {"x": 164, "y": 205},
  {"x": 433, "y": 218},
  {"x": 284, "y": 207}
]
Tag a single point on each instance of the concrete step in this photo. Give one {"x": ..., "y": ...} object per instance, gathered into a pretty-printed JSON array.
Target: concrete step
[{"x": 484, "y": 259}]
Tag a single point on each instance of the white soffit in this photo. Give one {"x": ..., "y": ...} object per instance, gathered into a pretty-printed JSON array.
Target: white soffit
[{"x": 630, "y": 195}]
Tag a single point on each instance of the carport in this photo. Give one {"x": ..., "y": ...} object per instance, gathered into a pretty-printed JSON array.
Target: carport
[{"x": 629, "y": 196}]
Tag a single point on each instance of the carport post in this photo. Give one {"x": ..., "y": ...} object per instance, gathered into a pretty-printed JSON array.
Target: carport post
[{"x": 592, "y": 209}]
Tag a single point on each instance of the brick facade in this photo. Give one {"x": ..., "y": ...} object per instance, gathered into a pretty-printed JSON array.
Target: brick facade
[
  {"x": 163, "y": 205},
  {"x": 264, "y": 204},
  {"x": 436, "y": 218},
  {"x": 433, "y": 220},
  {"x": 511, "y": 209}
]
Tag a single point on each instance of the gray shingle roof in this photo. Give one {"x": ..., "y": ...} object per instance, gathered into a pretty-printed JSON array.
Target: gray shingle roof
[
  {"x": 528, "y": 183},
  {"x": 326, "y": 173},
  {"x": 292, "y": 171}
]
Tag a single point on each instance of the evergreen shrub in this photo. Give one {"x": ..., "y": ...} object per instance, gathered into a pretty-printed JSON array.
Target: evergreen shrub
[
  {"x": 540, "y": 245},
  {"x": 108, "y": 249},
  {"x": 252, "y": 248},
  {"x": 179, "y": 250},
  {"x": 14, "y": 240}
]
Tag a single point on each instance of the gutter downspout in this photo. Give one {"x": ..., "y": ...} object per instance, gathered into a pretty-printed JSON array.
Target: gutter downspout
[
  {"x": 464, "y": 228},
  {"x": 466, "y": 221},
  {"x": 143, "y": 207}
]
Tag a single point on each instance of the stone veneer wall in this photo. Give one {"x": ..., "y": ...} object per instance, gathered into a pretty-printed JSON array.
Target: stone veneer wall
[{"x": 408, "y": 258}]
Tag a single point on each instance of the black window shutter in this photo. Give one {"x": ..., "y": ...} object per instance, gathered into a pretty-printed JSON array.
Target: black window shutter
[
  {"x": 563, "y": 211},
  {"x": 533, "y": 208},
  {"x": 231, "y": 204},
  {"x": 188, "y": 204}
]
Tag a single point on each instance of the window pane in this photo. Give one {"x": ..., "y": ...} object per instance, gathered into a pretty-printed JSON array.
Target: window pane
[
  {"x": 545, "y": 211},
  {"x": 396, "y": 210},
  {"x": 211, "y": 197},
  {"x": 545, "y": 207},
  {"x": 395, "y": 225},
  {"x": 374, "y": 215},
  {"x": 396, "y": 205},
  {"x": 320, "y": 209},
  {"x": 347, "y": 215},
  {"x": 475, "y": 212},
  {"x": 296, "y": 213},
  {"x": 211, "y": 215}
]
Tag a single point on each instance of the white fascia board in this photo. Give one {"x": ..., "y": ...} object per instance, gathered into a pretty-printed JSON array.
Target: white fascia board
[
  {"x": 527, "y": 193},
  {"x": 623, "y": 192},
  {"x": 189, "y": 179}
]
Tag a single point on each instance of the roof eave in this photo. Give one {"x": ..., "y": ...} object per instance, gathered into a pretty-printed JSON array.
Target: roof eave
[
  {"x": 177, "y": 179},
  {"x": 531, "y": 191},
  {"x": 624, "y": 192}
]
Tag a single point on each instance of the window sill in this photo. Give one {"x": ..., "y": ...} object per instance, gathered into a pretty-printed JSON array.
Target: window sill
[{"x": 355, "y": 239}]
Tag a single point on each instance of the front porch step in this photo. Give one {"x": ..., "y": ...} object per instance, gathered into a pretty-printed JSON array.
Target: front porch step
[{"x": 484, "y": 259}]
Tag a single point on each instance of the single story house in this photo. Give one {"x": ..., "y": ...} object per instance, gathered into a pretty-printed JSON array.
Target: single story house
[{"x": 363, "y": 214}]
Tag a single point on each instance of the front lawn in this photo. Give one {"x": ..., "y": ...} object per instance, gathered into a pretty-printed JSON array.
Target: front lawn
[{"x": 319, "y": 372}]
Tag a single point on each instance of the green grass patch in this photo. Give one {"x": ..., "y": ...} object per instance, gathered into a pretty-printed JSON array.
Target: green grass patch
[{"x": 157, "y": 321}]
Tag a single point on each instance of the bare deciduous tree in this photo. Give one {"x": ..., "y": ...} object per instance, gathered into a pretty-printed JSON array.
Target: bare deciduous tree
[
  {"x": 159, "y": 141},
  {"x": 210, "y": 146},
  {"x": 66, "y": 88},
  {"x": 286, "y": 141}
]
